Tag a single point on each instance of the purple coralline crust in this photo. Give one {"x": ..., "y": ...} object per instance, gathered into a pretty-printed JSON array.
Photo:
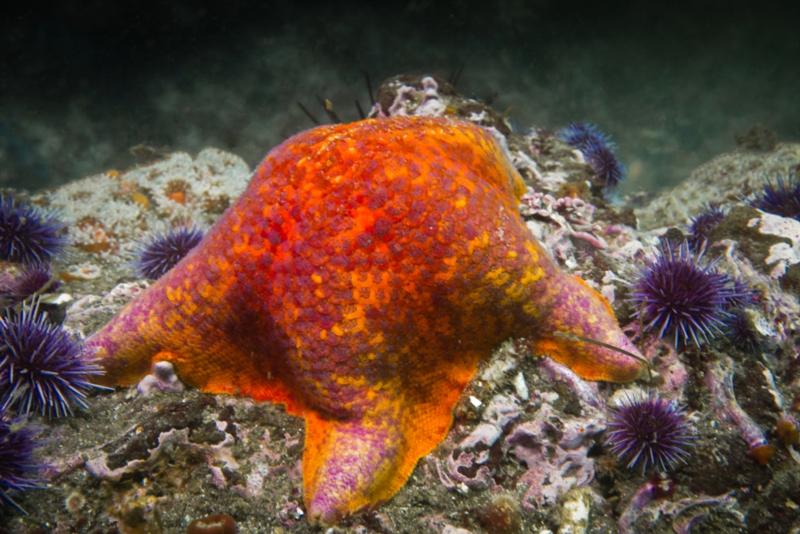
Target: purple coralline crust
[
  {"x": 587, "y": 392},
  {"x": 556, "y": 454},
  {"x": 469, "y": 463},
  {"x": 719, "y": 381},
  {"x": 469, "y": 469}
]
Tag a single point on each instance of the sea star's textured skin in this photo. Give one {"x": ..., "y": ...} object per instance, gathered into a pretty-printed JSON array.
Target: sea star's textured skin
[{"x": 360, "y": 279}]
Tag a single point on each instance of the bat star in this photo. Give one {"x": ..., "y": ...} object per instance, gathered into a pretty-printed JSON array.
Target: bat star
[{"x": 360, "y": 280}]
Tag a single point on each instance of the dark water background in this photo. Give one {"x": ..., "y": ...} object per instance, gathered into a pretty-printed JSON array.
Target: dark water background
[{"x": 82, "y": 83}]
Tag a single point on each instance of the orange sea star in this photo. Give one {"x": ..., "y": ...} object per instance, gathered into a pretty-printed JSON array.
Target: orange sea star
[{"x": 360, "y": 279}]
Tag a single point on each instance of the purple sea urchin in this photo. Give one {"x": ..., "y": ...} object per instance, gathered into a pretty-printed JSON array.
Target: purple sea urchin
[
  {"x": 701, "y": 226},
  {"x": 598, "y": 150},
  {"x": 31, "y": 279},
  {"x": 649, "y": 431},
  {"x": 163, "y": 251},
  {"x": 781, "y": 197},
  {"x": 18, "y": 469},
  {"x": 740, "y": 332},
  {"x": 742, "y": 295},
  {"x": 604, "y": 162},
  {"x": 580, "y": 134},
  {"x": 42, "y": 368},
  {"x": 681, "y": 295},
  {"x": 27, "y": 234}
]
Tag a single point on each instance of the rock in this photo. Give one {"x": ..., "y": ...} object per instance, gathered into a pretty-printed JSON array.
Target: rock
[
  {"x": 724, "y": 179},
  {"x": 213, "y": 524}
]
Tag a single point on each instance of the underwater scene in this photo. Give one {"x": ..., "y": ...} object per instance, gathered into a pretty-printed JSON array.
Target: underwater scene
[{"x": 446, "y": 267}]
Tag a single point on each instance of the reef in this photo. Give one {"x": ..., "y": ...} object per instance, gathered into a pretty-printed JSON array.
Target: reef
[{"x": 527, "y": 451}]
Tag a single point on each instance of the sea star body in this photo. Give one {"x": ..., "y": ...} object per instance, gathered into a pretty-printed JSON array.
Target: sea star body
[{"x": 360, "y": 280}]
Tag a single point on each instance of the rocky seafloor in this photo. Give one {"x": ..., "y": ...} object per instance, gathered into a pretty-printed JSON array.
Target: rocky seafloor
[{"x": 527, "y": 451}]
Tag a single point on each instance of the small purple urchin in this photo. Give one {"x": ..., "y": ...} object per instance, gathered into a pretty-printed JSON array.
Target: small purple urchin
[
  {"x": 598, "y": 150},
  {"x": 649, "y": 431},
  {"x": 604, "y": 162},
  {"x": 27, "y": 234},
  {"x": 740, "y": 332},
  {"x": 681, "y": 295},
  {"x": 701, "y": 226},
  {"x": 781, "y": 197},
  {"x": 31, "y": 279},
  {"x": 42, "y": 368},
  {"x": 163, "y": 251},
  {"x": 18, "y": 469},
  {"x": 742, "y": 295},
  {"x": 580, "y": 134}
]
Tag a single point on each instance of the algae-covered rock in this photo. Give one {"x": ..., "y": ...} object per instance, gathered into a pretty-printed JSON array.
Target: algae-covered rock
[
  {"x": 725, "y": 179},
  {"x": 770, "y": 242}
]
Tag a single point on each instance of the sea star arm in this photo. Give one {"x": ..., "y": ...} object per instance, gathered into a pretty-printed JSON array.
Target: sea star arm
[
  {"x": 523, "y": 294},
  {"x": 356, "y": 463},
  {"x": 189, "y": 318},
  {"x": 349, "y": 465},
  {"x": 580, "y": 330}
]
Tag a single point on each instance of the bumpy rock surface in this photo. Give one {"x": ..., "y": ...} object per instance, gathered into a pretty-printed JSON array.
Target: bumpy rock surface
[{"x": 725, "y": 179}]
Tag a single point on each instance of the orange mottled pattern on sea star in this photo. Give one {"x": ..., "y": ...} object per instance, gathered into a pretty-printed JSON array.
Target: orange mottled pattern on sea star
[{"x": 360, "y": 280}]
